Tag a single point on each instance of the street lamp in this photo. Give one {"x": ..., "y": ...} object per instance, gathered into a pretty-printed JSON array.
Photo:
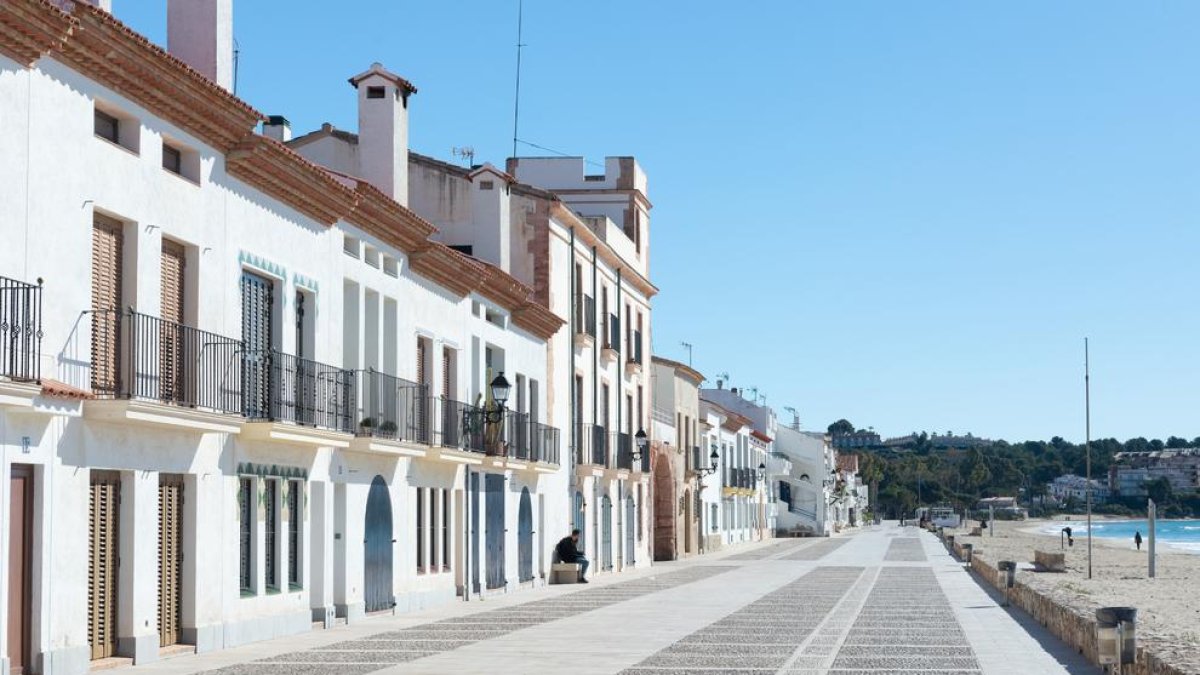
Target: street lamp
[
  {"x": 500, "y": 389},
  {"x": 712, "y": 468},
  {"x": 762, "y": 471},
  {"x": 639, "y": 445}
]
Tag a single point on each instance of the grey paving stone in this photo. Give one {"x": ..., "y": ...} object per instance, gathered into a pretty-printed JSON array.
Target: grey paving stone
[
  {"x": 712, "y": 661},
  {"x": 317, "y": 656},
  {"x": 295, "y": 669}
]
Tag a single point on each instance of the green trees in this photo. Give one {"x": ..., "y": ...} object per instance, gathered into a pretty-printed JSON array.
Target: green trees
[{"x": 842, "y": 426}]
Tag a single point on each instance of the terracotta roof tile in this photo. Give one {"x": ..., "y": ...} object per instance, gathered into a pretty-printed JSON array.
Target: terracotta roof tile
[{"x": 62, "y": 390}]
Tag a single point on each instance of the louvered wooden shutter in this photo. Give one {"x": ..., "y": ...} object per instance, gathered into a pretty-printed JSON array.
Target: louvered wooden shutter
[
  {"x": 171, "y": 333},
  {"x": 295, "y": 489},
  {"x": 107, "y": 244},
  {"x": 170, "y": 559},
  {"x": 246, "y": 506},
  {"x": 446, "y": 372},
  {"x": 103, "y": 538},
  {"x": 272, "y": 534},
  {"x": 421, "y": 361}
]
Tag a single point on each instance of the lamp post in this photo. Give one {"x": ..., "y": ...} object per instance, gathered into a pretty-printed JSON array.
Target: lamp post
[{"x": 500, "y": 390}]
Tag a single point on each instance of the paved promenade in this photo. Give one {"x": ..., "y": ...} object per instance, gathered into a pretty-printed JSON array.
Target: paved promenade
[{"x": 886, "y": 599}]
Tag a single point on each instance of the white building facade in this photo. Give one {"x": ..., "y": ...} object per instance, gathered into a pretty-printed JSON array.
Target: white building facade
[{"x": 260, "y": 386}]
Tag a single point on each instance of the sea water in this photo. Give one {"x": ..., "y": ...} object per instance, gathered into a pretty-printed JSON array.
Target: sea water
[{"x": 1183, "y": 535}]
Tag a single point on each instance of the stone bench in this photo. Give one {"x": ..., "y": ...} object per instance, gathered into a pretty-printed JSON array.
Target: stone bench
[
  {"x": 565, "y": 573},
  {"x": 976, "y": 532},
  {"x": 1050, "y": 562}
]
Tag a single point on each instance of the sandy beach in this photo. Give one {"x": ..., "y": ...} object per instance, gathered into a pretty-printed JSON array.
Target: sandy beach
[{"x": 1168, "y": 605}]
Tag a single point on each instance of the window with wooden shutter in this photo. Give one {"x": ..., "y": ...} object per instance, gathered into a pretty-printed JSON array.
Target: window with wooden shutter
[
  {"x": 107, "y": 262},
  {"x": 295, "y": 515},
  {"x": 420, "y": 530},
  {"x": 172, "y": 385},
  {"x": 246, "y": 505},
  {"x": 446, "y": 530},
  {"x": 447, "y": 369},
  {"x": 272, "y": 539},
  {"x": 170, "y": 559},
  {"x": 103, "y": 551}
]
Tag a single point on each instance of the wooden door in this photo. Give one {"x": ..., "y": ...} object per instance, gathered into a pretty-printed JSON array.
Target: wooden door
[
  {"x": 171, "y": 334},
  {"x": 494, "y": 530},
  {"x": 20, "y": 580},
  {"x": 258, "y": 336},
  {"x": 108, "y": 241},
  {"x": 103, "y": 562},
  {"x": 170, "y": 559},
  {"x": 525, "y": 537},
  {"x": 605, "y": 533}
]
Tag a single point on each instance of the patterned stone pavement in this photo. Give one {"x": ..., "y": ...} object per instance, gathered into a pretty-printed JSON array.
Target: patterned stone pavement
[{"x": 882, "y": 600}]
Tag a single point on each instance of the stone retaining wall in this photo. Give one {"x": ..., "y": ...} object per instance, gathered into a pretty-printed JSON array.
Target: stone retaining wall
[{"x": 1075, "y": 626}]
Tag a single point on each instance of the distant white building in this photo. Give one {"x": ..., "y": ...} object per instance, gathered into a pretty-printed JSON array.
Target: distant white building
[
  {"x": 807, "y": 487},
  {"x": 1070, "y": 486},
  {"x": 1131, "y": 471}
]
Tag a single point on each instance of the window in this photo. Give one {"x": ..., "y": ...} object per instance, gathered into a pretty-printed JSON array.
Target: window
[
  {"x": 486, "y": 185},
  {"x": 433, "y": 530},
  {"x": 390, "y": 266},
  {"x": 446, "y": 530},
  {"x": 295, "y": 515},
  {"x": 172, "y": 159},
  {"x": 107, "y": 126},
  {"x": 376, "y": 92},
  {"x": 272, "y": 541},
  {"x": 245, "y": 535},
  {"x": 420, "y": 530},
  {"x": 371, "y": 256},
  {"x": 350, "y": 246}
]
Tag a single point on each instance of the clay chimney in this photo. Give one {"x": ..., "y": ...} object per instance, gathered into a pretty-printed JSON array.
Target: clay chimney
[{"x": 383, "y": 130}]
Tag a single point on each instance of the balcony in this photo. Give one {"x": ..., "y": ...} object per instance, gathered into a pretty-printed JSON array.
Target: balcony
[
  {"x": 20, "y": 330},
  {"x": 634, "y": 364},
  {"x": 187, "y": 373},
  {"x": 393, "y": 409},
  {"x": 612, "y": 339},
  {"x": 585, "y": 321},
  {"x": 622, "y": 459},
  {"x": 530, "y": 441},
  {"x": 280, "y": 387},
  {"x": 696, "y": 459},
  {"x": 591, "y": 445}
]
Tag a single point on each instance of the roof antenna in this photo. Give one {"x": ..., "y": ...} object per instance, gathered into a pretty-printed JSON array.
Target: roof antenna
[
  {"x": 795, "y": 417},
  {"x": 688, "y": 346},
  {"x": 517, "y": 97},
  {"x": 466, "y": 152},
  {"x": 236, "y": 53}
]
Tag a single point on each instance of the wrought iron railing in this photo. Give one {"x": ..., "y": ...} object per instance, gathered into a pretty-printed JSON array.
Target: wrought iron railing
[
  {"x": 137, "y": 356},
  {"x": 644, "y": 461},
  {"x": 612, "y": 336},
  {"x": 545, "y": 443},
  {"x": 517, "y": 435},
  {"x": 696, "y": 458},
  {"x": 280, "y": 387},
  {"x": 20, "y": 330},
  {"x": 585, "y": 316},
  {"x": 635, "y": 348},
  {"x": 393, "y": 408},
  {"x": 622, "y": 457},
  {"x": 591, "y": 444}
]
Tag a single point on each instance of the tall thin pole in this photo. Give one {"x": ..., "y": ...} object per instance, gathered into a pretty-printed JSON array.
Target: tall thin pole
[
  {"x": 1087, "y": 444},
  {"x": 517, "y": 98}
]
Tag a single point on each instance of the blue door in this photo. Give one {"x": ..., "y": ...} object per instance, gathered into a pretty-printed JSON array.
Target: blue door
[
  {"x": 605, "y": 533},
  {"x": 494, "y": 531},
  {"x": 580, "y": 520},
  {"x": 525, "y": 537},
  {"x": 377, "y": 548}
]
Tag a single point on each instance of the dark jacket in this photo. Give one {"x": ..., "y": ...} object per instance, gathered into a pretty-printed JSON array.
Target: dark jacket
[{"x": 566, "y": 550}]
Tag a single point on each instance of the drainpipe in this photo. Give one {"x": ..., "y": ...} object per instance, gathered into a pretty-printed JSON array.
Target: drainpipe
[{"x": 571, "y": 480}]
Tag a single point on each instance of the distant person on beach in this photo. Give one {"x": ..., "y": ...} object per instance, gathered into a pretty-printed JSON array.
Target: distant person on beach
[{"x": 1137, "y": 540}]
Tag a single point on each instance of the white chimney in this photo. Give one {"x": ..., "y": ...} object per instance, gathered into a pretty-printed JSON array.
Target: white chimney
[
  {"x": 105, "y": 5},
  {"x": 383, "y": 130},
  {"x": 490, "y": 218},
  {"x": 200, "y": 33},
  {"x": 278, "y": 127}
]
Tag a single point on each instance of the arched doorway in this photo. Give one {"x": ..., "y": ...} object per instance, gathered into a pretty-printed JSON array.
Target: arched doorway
[
  {"x": 605, "y": 533},
  {"x": 525, "y": 537},
  {"x": 664, "y": 509},
  {"x": 688, "y": 525},
  {"x": 377, "y": 548}
]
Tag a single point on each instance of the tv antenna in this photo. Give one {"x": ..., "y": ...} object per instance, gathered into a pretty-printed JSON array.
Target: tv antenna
[
  {"x": 687, "y": 346},
  {"x": 466, "y": 152},
  {"x": 795, "y": 417},
  {"x": 517, "y": 96}
]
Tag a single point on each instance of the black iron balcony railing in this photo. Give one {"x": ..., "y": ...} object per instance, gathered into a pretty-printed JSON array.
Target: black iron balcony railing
[
  {"x": 20, "y": 330},
  {"x": 696, "y": 459},
  {"x": 466, "y": 427},
  {"x": 644, "y": 459},
  {"x": 137, "y": 356},
  {"x": 591, "y": 444},
  {"x": 517, "y": 435},
  {"x": 545, "y": 443},
  {"x": 393, "y": 408},
  {"x": 280, "y": 387},
  {"x": 612, "y": 337},
  {"x": 635, "y": 348},
  {"x": 623, "y": 455},
  {"x": 585, "y": 316}
]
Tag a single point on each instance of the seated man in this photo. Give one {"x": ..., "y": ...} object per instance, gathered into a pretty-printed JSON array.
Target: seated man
[{"x": 568, "y": 552}]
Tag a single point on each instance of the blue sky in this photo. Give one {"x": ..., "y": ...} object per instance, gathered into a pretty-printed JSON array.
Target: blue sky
[{"x": 908, "y": 214}]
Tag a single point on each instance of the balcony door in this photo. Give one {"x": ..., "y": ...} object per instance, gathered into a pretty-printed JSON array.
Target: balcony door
[
  {"x": 108, "y": 242},
  {"x": 257, "y": 336},
  {"x": 172, "y": 386}
]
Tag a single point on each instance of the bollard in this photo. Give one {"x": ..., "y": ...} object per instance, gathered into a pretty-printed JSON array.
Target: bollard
[
  {"x": 1009, "y": 568},
  {"x": 1116, "y": 635}
]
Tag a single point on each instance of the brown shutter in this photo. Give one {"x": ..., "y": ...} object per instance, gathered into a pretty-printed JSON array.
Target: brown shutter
[
  {"x": 171, "y": 333},
  {"x": 103, "y": 539},
  {"x": 170, "y": 559},
  {"x": 421, "y": 361},
  {"x": 107, "y": 244},
  {"x": 445, "y": 372}
]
